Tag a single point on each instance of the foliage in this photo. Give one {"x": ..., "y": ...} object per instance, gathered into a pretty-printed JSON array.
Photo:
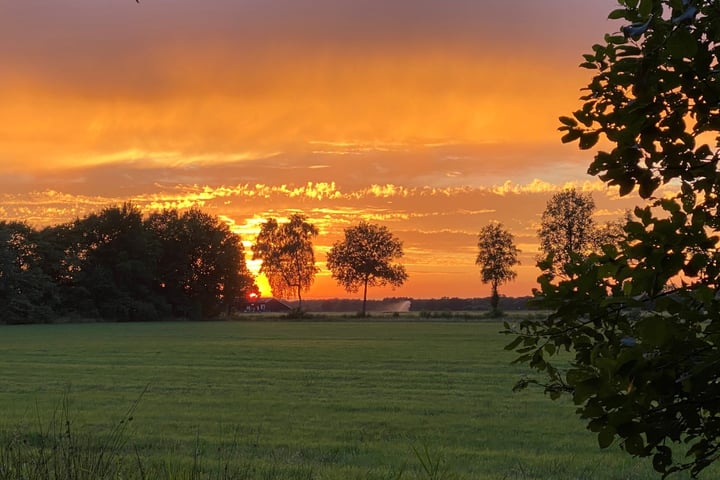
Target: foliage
[
  {"x": 364, "y": 258},
  {"x": 641, "y": 318},
  {"x": 566, "y": 229},
  {"x": 497, "y": 254},
  {"x": 115, "y": 265},
  {"x": 200, "y": 265},
  {"x": 27, "y": 294},
  {"x": 288, "y": 259}
]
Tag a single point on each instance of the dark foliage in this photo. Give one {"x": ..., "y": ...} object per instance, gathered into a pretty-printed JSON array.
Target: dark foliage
[
  {"x": 640, "y": 318},
  {"x": 117, "y": 266},
  {"x": 364, "y": 258}
]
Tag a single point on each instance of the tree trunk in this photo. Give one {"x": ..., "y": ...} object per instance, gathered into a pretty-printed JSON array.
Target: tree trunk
[
  {"x": 365, "y": 297},
  {"x": 495, "y": 299},
  {"x": 299, "y": 295}
]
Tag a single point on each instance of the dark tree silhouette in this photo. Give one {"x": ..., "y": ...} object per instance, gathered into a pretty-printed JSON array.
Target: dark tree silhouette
[
  {"x": 497, "y": 254},
  {"x": 113, "y": 265},
  {"x": 567, "y": 229},
  {"x": 288, "y": 259},
  {"x": 27, "y": 294},
  {"x": 364, "y": 259},
  {"x": 201, "y": 266}
]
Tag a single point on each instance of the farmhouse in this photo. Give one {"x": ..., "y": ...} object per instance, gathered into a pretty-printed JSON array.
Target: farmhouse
[{"x": 262, "y": 305}]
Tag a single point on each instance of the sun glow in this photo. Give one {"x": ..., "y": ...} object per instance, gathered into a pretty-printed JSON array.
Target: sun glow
[{"x": 431, "y": 121}]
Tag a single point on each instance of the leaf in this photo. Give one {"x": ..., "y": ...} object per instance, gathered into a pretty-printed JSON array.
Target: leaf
[
  {"x": 514, "y": 344},
  {"x": 662, "y": 459},
  {"x": 646, "y": 187},
  {"x": 615, "y": 39},
  {"x": 626, "y": 186},
  {"x": 645, "y": 8},
  {"x": 588, "y": 140},
  {"x": 569, "y": 121},
  {"x": 618, "y": 13},
  {"x": 634, "y": 444},
  {"x": 606, "y": 437},
  {"x": 571, "y": 136},
  {"x": 628, "y": 51},
  {"x": 655, "y": 331},
  {"x": 682, "y": 44}
]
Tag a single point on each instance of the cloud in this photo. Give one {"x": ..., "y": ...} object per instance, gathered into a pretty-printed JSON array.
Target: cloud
[
  {"x": 198, "y": 82},
  {"x": 411, "y": 114}
]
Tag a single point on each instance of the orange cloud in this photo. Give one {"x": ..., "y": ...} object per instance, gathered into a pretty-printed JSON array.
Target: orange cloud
[{"x": 432, "y": 118}]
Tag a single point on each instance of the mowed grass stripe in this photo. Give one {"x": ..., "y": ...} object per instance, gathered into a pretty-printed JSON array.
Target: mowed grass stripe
[{"x": 334, "y": 400}]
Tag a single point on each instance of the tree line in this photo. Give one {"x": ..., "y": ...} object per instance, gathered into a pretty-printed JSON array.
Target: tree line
[{"x": 116, "y": 265}]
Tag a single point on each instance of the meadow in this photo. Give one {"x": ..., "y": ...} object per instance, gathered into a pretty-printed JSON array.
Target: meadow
[{"x": 295, "y": 400}]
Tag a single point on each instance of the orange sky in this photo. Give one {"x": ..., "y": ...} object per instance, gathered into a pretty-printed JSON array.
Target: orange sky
[{"x": 432, "y": 117}]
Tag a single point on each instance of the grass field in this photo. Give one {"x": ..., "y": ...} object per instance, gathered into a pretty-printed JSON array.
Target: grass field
[{"x": 301, "y": 400}]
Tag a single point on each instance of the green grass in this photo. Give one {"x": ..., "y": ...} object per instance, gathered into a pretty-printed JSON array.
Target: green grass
[{"x": 315, "y": 400}]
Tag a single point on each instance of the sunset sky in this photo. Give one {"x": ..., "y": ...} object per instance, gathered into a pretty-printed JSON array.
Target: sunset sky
[{"x": 432, "y": 117}]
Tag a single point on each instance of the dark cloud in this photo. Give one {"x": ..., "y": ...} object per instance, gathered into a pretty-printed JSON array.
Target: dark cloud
[{"x": 121, "y": 43}]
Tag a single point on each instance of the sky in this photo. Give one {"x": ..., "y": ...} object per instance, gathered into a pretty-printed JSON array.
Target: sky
[{"x": 431, "y": 117}]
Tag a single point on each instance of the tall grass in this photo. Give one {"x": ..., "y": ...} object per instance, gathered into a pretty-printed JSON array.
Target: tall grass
[
  {"x": 56, "y": 451},
  {"x": 59, "y": 451}
]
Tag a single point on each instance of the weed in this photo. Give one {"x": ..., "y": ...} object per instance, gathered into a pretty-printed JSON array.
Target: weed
[
  {"x": 434, "y": 466},
  {"x": 58, "y": 452}
]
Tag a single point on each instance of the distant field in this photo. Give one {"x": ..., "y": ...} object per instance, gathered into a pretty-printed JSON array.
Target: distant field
[{"x": 315, "y": 400}]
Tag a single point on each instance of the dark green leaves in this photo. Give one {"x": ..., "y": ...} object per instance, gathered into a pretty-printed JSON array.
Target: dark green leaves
[
  {"x": 645, "y": 8},
  {"x": 682, "y": 44},
  {"x": 619, "y": 13},
  {"x": 606, "y": 437},
  {"x": 640, "y": 316}
]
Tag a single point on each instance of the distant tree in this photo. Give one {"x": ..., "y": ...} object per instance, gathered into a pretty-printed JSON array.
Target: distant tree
[
  {"x": 364, "y": 258},
  {"x": 638, "y": 322},
  {"x": 567, "y": 229},
  {"x": 288, "y": 259},
  {"x": 612, "y": 232},
  {"x": 497, "y": 254}
]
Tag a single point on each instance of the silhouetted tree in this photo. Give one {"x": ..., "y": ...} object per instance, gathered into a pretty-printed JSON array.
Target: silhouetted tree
[
  {"x": 201, "y": 265},
  {"x": 113, "y": 263},
  {"x": 497, "y": 254},
  {"x": 26, "y": 292},
  {"x": 364, "y": 258},
  {"x": 567, "y": 229},
  {"x": 286, "y": 251}
]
